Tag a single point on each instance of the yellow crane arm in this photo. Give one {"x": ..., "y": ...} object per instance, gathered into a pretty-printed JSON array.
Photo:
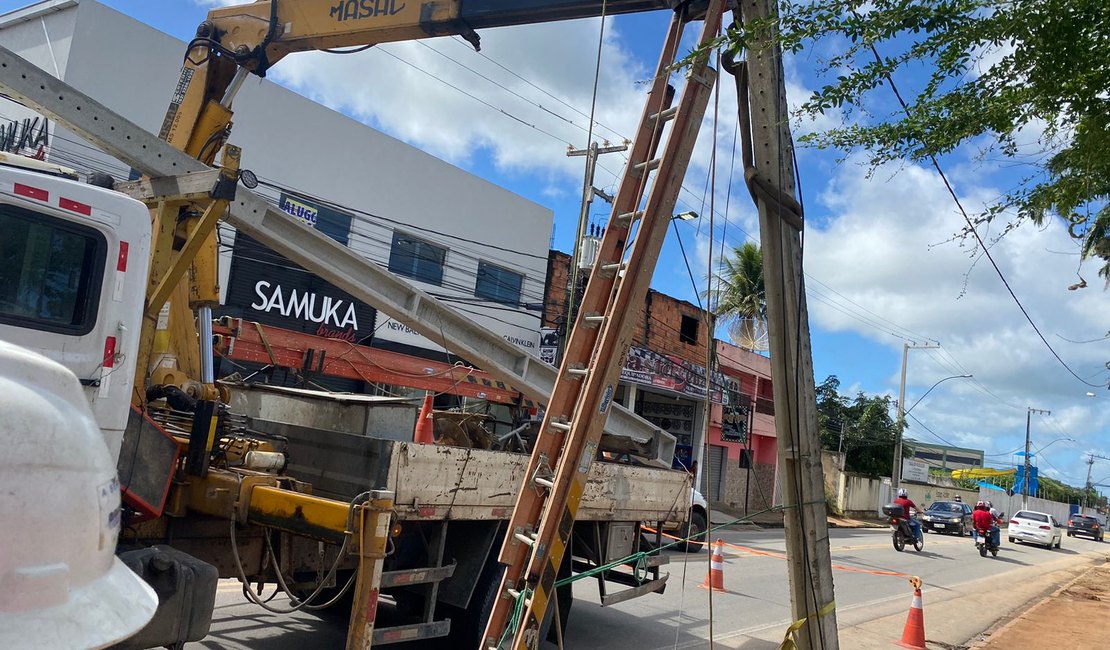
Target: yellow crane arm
[
  {"x": 247, "y": 39},
  {"x": 263, "y": 32}
]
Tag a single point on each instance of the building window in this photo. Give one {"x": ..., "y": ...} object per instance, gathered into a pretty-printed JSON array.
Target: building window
[
  {"x": 417, "y": 259},
  {"x": 688, "y": 331},
  {"x": 50, "y": 272},
  {"x": 498, "y": 284}
]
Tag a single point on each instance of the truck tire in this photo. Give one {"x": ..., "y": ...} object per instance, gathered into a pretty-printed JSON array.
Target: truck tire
[
  {"x": 468, "y": 626},
  {"x": 694, "y": 529}
]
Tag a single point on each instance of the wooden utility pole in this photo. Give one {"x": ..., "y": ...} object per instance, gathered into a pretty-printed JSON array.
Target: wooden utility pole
[{"x": 769, "y": 172}]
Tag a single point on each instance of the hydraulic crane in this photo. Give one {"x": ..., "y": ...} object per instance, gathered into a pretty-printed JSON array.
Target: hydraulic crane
[{"x": 243, "y": 39}]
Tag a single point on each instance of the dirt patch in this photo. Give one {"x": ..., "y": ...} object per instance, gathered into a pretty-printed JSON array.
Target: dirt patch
[{"x": 1074, "y": 618}]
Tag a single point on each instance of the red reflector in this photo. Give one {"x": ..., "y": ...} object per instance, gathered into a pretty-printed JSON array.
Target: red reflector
[
  {"x": 74, "y": 206},
  {"x": 32, "y": 192},
  {"x": 121, "y": 262},
  {"x": 1045, "y": 527},
  {"x": 109, "y": 352},
  {"x": 1013, "y": 522}
]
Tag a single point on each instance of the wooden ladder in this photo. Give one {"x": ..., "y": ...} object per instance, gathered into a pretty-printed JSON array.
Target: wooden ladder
[{"x": 547, "y": 503}]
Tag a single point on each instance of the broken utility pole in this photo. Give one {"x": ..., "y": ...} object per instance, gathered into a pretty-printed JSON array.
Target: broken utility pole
[{"x": 769, "y": 172}]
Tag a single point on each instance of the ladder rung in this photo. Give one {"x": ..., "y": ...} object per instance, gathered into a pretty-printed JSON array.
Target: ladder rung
[
  {"x": 612, "y": 269},
  {"x": 561, "y": 426},
  {"x": 648, "y": 165},
  {"x": 545, "y": 483},
  {"x": 630, "y": 216},
  {"x": 524, "y": 538},
  {"x": 665, "y": 115},
  {"x": 515, "y": 595},
  {"x": 593, "y": 321},
  {"x": 578, "y": 372}
]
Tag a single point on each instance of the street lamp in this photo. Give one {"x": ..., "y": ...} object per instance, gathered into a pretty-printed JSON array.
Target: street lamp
[
  {"x": 1041, "y": 450},
  {"x": 896, "y": 469},
  {"x": 934, "y": 386}
]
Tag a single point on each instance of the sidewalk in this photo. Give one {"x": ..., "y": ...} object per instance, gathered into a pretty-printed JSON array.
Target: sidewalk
[{"x": 1075, "y": 616}]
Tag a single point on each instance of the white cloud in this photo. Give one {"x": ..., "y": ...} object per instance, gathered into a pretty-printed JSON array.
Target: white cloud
[
  {"x": 882, "y": 249},
  {"x": 432, "y": 94}
]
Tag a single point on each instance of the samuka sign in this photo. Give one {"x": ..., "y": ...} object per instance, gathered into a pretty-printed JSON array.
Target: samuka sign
[{"x": 305, "y": 305}]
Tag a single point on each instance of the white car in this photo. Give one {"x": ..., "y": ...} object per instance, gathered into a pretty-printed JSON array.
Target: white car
[{"x": 1036, "y": 528}]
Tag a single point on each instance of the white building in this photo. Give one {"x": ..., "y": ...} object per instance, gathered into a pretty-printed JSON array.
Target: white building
[{"x": 453, "y": 234}]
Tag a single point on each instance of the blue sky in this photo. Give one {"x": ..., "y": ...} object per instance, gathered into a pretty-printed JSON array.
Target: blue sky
[{"x": 880, "y": 271}]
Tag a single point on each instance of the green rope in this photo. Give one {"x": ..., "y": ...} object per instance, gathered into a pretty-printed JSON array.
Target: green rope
[{"x": 638, "y": 561}]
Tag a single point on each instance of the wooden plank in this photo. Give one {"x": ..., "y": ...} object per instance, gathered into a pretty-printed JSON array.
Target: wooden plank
[{"x": 434, "y": 482}]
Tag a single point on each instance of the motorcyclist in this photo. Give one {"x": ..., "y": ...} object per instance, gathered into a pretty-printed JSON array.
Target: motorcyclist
[
  {"x": 983, "y": 520},
  {"x": 907, "y": 503},
  {"x": 996, "y": 534}
]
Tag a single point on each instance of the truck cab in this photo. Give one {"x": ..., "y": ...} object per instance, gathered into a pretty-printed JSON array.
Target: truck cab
[{"x": 73, "y": 266}]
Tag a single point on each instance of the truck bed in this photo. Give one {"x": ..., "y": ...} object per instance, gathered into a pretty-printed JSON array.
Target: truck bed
[{"x": 358, "y": 443}]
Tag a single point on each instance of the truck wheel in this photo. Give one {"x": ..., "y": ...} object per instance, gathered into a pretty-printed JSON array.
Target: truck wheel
[
  {"x": 694, "y": 530},
  {"x": 468, "y": 626}
]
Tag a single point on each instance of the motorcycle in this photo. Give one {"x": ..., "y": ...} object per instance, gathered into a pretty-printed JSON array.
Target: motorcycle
[
  {"x": 984, "y": 541},
  {"x": 900, "y": 531}
]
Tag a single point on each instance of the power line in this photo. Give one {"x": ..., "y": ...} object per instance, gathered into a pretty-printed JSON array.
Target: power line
[
  {"x": 476, "y": 98},
  {"x": 973, "y": 230}
]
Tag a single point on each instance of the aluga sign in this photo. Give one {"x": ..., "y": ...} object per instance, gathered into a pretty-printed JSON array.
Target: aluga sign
[{"x": 305, "y": 305}]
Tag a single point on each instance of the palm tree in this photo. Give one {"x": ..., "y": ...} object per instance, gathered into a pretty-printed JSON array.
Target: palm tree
[{"x": 740, "y": 299}]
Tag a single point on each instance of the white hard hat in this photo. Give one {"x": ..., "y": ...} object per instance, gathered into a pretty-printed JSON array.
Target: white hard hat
[
  {"x": 61, "y": 585},
  {"x": 902, "y": 492}
]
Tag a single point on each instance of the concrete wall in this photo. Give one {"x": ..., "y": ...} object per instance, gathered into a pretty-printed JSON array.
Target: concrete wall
[
  {"x": 758, "y": 495},
  {"x": 831, "y": 463},
  {"x": 1011, "y": 505},
  {"x": 923, "y": 495},
  {"x": 859, "y": 495}
]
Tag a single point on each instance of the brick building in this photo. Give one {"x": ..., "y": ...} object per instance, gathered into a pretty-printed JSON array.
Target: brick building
[{"x": 664, "y": 381}]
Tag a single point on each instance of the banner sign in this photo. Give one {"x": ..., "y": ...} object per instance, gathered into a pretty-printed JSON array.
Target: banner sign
[{"x": 675, "y": 374}]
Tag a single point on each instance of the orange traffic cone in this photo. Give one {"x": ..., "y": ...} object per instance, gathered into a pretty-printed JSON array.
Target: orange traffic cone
[
  {"x": 715, "y": 579},
  {"x": 424, "y": 426},
  {"x": 913, "y": 636}
]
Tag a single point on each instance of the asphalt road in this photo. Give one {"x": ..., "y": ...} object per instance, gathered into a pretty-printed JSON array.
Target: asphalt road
[{"x": 753, "y": 613}]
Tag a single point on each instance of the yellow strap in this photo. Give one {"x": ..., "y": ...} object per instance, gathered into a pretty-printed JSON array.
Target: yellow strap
[{"x": 788, "y": 640}]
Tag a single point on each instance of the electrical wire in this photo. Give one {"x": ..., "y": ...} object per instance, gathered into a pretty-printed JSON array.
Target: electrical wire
[{"x": 971, "y": 226}]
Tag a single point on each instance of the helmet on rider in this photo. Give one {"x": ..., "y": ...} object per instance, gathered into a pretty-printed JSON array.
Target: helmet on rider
[
  {"x": 989, "y": 505},
  {"x": 959, "y": 499},
  {"x": 980, "y": 504},
  {"x": 902, "y": 494}
]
